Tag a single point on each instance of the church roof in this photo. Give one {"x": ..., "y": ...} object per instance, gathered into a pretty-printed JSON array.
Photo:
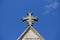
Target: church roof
[{"x": 27, "y": 29}]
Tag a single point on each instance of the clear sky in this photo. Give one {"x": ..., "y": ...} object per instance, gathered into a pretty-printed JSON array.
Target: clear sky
[{"x": 11, "y": 12}]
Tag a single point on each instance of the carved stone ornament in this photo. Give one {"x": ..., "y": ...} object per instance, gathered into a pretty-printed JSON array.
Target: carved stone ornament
[{"x": 30, "y": 33}]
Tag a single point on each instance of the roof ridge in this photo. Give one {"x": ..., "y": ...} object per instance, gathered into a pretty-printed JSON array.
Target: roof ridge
[{"x": 26, "y": 30}]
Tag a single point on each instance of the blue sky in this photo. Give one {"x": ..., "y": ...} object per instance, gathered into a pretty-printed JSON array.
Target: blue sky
[{"x": 11, "y": 12}]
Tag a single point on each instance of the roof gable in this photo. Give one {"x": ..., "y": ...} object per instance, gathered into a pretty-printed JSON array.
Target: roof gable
[{"x": 30, "y": 32}]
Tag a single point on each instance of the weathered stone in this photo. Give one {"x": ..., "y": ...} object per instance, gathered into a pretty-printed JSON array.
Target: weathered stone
[{"x": 30, "y": 33}]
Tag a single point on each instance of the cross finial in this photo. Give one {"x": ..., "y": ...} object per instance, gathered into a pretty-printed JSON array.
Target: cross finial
[{"x": 30, "y": 19}]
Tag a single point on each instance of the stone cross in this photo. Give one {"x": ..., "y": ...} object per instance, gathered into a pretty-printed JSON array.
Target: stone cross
[{"x": 30, "y": 19}]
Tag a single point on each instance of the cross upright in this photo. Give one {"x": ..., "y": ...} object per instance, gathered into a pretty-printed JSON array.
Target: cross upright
[{"x": 30, "y": 19}]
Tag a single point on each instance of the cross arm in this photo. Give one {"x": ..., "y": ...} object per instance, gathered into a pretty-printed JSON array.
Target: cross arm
[
  {"x": 24, "y": 19},
  {"x": 35, "y": 18}
]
